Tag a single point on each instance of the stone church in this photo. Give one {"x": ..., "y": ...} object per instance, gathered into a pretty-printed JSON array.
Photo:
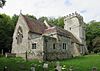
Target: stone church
[{"x": 41, "y": 41}]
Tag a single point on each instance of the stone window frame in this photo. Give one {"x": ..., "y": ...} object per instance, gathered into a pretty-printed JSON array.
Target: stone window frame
[
  {"x": 33, "y": 45},
  {"x": 64, "y": 45},
  {"x": 54, "y": 46},
  {"x": 19, "y": 36}
]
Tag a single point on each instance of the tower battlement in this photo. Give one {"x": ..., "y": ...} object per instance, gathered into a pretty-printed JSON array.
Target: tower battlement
[{"x": 74, "y": 15}]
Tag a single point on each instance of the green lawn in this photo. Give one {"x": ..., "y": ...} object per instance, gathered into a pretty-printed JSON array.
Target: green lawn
[{"x": 83, "y": 63}]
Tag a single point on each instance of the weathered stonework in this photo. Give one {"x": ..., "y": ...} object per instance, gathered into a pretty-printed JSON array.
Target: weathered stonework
[
  {"x": 74, "y": 24},
  {"x": 43, "y": 42}
]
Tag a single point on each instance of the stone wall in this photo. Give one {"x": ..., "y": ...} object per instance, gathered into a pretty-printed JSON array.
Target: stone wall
[
  {"x": 22, "y": 47},
  {"x": 38, "y": 52},
  {"x": 58, "y": 52},
  {"x": 74, "y": 23}
]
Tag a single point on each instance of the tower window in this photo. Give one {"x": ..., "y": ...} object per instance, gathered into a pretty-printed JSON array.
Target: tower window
[
  {"x": 70, "y": 28},
  {"x": 34, "y": 46}
]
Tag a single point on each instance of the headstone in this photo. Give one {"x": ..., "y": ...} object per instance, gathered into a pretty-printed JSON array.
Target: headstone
[
  {"x": 33, "y": 68},
  {"x": 94, "y": 69},
  {"x": 71, "y": 68},
  {"x": 6, "y": 55},
  {"x": 5, "y": 68},
  {"x": 64, "y": 67},
  {"x": 45, "y": 67},
  {"x": 2, "y": 51},
  {"x": 58, "y": 67}
]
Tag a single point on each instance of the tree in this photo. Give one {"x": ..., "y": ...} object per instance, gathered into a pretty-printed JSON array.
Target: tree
[
  {"x": 61, "y": 22},
  {"x": 5, "y": 33},
  {"x": 31, "y": 16},
  {"x": 57, "y": 21},
  {"x": 92, "y": 31},
  {"x": 15, "y": 18},
  {"x": 2, "y": 3},
  {"x": 43, "y": 18}
]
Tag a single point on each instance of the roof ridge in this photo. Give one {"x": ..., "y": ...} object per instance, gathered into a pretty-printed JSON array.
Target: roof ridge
[{"x": 34, "y": 25}]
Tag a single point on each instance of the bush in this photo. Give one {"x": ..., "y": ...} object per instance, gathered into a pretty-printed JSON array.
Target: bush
[
  {"x": 96, "y": 50},
  {"x": 1, "y": 55}
]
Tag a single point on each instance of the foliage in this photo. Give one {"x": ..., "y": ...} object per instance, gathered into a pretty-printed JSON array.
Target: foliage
[
  {"x": 31, "y": 16},
  {"x": 53, "y": 21},
  {"x": 14, "y": 19},
  {"x": 57, "y": 22},
  {"x": 96, "y": 50},
  {"x": 5, "y": 32},
  {"x": 83, "y": 63},
  {"x": 2, "y": 3},
  {"x": 42, "y": 19},
  {"x": 92, "y": 31}
]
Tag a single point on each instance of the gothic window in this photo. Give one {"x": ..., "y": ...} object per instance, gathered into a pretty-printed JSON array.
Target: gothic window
[
  {"x": 64, "y": 45},
  {"x": 19, "y": 35},
  {"x": 34, "y": 46}
]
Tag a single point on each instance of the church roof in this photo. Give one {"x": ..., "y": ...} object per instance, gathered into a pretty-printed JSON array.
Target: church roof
[
  {"x": 38, "y": 27},
  {"x": 35, "y": 25},
  {"x": 62, "y": 32}
]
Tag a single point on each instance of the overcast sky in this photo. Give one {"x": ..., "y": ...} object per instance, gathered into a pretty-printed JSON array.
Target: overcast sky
[{"x": 89, "y": 9}]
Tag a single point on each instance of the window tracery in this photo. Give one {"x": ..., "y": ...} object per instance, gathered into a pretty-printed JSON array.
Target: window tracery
[{"x": 19, "y": 35}]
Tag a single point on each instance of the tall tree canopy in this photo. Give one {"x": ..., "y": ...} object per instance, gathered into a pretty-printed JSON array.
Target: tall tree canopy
[
  {"x": 53, "y": 21},
  {"x": 92, "y": 31},
  {"x": 5, "y": 33},
  {"x": 2, "y": 3}
]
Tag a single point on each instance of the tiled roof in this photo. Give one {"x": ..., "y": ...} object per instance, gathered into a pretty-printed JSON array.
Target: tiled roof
[
  {"x": 35, "y": 25},
  {"x": 62, "y": 32}
]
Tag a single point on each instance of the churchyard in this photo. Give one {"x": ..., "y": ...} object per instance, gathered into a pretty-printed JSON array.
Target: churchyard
[{"x": 83, "y": 63}]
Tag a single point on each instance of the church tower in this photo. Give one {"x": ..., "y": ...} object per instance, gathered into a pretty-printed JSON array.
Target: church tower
[{"x": 74, "y": 23}]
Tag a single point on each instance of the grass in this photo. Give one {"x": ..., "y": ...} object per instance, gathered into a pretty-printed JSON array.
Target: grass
[{"x": 83, "y": 63}]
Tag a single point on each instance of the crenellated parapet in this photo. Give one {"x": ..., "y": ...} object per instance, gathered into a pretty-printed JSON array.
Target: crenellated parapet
[{"x": 74, "y": 15}]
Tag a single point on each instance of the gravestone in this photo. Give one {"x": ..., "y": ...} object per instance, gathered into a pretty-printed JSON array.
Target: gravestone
[
  {"x": 58, "y": 67},
  {"x": 71, "y": 68},
  {"x": 64, "y": 67},
  {"x": 45, "y": 67},
  {"x": 2, "y": 51},
  {"x": 94, "y": 69},
  {"x": 33, "y": 68},
  {"x": 5, "y": 68}
]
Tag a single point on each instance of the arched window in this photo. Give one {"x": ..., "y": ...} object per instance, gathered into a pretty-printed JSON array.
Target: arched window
[{"x": 19, "y": 35}]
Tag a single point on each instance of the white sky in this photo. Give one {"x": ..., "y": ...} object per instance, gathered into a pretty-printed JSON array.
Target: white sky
[{"x": 89, "y": 9}]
